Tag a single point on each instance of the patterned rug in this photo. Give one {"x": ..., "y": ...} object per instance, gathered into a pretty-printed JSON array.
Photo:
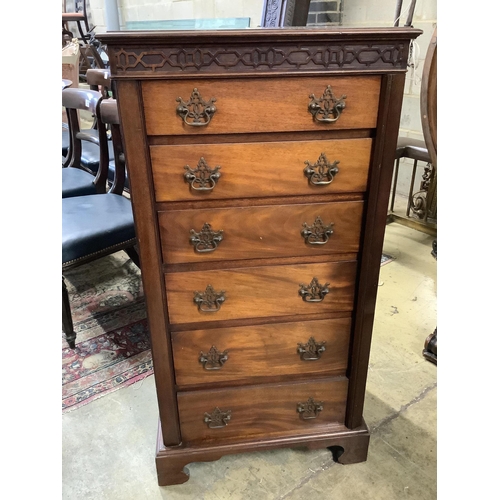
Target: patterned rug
[
  {"x": 386, "y": 258},
  {"x": 112, "y": 343}
]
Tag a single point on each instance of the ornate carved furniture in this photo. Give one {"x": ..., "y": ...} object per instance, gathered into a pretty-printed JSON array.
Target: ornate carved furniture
[
  {"x": 421, "y": 203},
  {"x": 260, "y": 164}
]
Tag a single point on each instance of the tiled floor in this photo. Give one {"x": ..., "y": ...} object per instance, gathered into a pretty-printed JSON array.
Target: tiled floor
[{"x": 109, "y": 445}]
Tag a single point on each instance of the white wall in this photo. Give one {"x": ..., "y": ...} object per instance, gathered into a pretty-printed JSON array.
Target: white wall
[
  {"x": 355, "y": 13},
  {"x": 159, "y": 10},
  {"x": 382, "y": 13}
]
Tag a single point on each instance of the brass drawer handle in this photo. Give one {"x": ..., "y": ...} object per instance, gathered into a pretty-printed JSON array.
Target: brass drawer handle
[
  {"x": 312, "y": 350},
  {"x": 213, "y": 359},
  {"x": 209, "y": 300},
  {"x": 217, "y": 419},
  {"x": 318, "y": 233},
  {"x": 326, "y": 109},
  {"x": 322, "y": 172},
  {"x": 196, "y": 110},
  {"x": 206, "y": 240},
  {"x": 202, "y": 178},
  {"x": 310, "y": 409},
  {"x": 314, "y": 292}
]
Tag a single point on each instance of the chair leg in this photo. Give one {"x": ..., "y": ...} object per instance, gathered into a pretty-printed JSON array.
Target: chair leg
[
  {"x": 134, "y": 255},
  {"x": 67, "y": 321}
]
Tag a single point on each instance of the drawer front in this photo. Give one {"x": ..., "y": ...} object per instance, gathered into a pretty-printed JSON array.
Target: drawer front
[
  {"x": 258, "y": 292},
  {"x": 259, "y": 105},
  {"x": 260, "y": 232},
  {"x": 260, "y": 169},
  {"x": 265, "y": 410},
  {"x": 251, "y": 352}
]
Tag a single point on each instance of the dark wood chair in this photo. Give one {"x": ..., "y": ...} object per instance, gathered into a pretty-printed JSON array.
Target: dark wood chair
[
  {"x": 90, "y": 153},
  {"x": 75, "y": 180},
  {"x": 99, "y": 79},
  {"x": 283, "y": 13},
  {"x": 98, "y": 225},
  {"x": 420, "y": 203}
]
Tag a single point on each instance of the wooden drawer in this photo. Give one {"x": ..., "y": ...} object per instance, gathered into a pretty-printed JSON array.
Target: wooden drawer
[
  {"x": 260, "y": 104},
  {"x": 260, "y": 232},
  {"x": 260, "y": 169},
  {"x": 250, "y": 353},
  {"x": 255, "y": 292},
  {"x": 265, "y": 410}
]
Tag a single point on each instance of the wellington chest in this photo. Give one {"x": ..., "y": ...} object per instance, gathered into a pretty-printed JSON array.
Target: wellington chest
[{"x": 260, "y": 164}]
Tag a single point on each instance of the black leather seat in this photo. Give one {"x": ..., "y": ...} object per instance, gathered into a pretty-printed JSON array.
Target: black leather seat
[
  {"x": 76, "y": 182},
  {"x": 95, "y": 224}
]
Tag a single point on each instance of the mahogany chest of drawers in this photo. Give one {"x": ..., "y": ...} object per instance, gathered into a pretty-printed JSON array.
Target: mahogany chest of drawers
[{"x": 260, "y": 164}]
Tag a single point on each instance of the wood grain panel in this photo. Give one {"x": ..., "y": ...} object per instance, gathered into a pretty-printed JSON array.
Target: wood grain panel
[
  {"x": 265, "y": 410},
  {"x": 260, "y": 232},
  {"x": 254, "y": 292},
  {"x": 260, "y": 105},
  {"x": 260, "y": 169},
  {"x": 255, "y": 352}
]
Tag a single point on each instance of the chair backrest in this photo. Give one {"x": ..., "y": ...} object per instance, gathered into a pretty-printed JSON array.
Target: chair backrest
[
  {"x": 75, "y": 100},
  {"x": 282, "y": 13},
  {"x": 107, "y": 115},
  {"x": 99, "y": 79}
]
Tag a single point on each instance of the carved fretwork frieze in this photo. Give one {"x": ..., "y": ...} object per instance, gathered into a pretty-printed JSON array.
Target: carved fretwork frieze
[{"x": 357, "y": 55}]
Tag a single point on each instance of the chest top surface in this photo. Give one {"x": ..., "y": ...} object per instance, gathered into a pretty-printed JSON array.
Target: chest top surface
[{"x": 154, "y": 54}]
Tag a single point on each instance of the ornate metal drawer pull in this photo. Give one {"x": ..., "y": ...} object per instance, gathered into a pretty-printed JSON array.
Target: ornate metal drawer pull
[
  {"x": 310, "y": 409},
  {"x": 326, "y": 109},
  {"x": 318, "y": 233},
  {"x": 206, "y": 240},
  {"x": 314, "y": 292},
  {"x": 213, "y": 359},
  {"x": 202, "y": 178},
  {"x": 196, "y": 110},
  {"x": 209, "y": 300},
  {"x": 217, "y": 419},
  {"x": 312, "y": 350},
  {"x": 322, "y": 172}
]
